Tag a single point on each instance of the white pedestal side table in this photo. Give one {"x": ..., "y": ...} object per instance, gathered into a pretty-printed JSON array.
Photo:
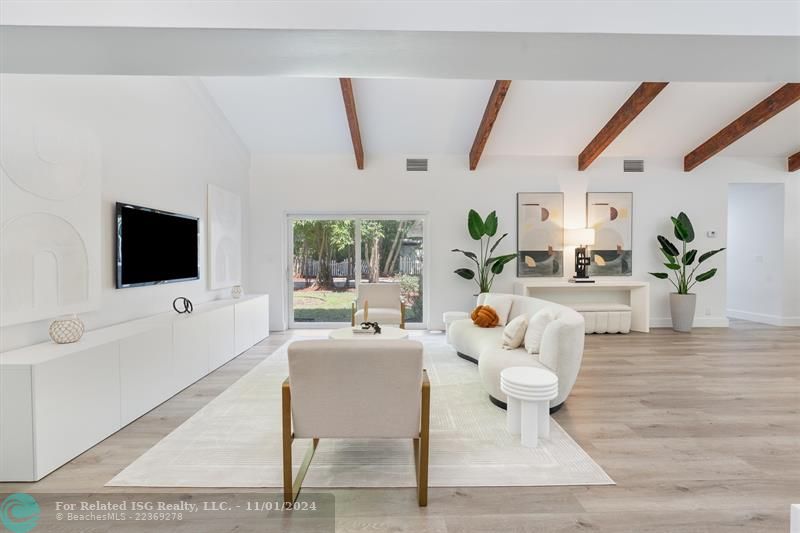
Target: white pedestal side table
[{"x": 529, "y": 392}]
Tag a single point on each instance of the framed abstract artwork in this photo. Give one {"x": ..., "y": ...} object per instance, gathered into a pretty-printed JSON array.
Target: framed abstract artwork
[
  {"x": 540, "y": 234},
  {"x": 611, "y": 216}
]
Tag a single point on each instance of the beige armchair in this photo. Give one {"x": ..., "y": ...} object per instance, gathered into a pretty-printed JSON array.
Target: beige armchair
[
  {"x": 355, "y": 389},
  {"x": 379, "y": 302}
]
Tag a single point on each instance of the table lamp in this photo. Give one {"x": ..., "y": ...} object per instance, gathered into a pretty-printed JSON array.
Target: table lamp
[{"x": 581, "y": 238}]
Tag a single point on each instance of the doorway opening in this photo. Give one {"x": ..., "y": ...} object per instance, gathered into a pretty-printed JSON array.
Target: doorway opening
[{"x": 755, "y": 254}]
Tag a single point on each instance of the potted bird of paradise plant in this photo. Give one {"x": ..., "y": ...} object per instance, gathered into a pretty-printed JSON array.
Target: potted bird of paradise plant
[
  {"x": 488, "y": 266},
  {"x": 681, "y": 264}
]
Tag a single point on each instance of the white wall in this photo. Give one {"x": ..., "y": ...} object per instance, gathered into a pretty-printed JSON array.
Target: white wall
[
  {"x": 791, "y": 255},
  {"x": 332, "y": 184},
  {"x": 755, "y": 256},
  {"x": 162, "y": 140}
]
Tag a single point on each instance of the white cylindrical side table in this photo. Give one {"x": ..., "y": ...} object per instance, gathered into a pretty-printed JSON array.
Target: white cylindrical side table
[{"x": 529, "y": 391}]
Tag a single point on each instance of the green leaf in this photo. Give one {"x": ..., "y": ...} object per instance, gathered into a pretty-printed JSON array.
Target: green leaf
[
  {"x": 471, "y": 255},
  {"x": 706, "y": 275},
  {"x": 465, "y": 273},
  {"x": 672, "y": 266},
  {"x": 660, "y": 275},
  {"x": 505, "y": 258},
  {"x": 670, "y": 258},
  {"x": 680, "y": 232},
  {"x": 498, "y": 242},
  {"x": 497, "y": 263},
  {"x": 689, "y": 256},
  {"x": 708, "y": 255},
  {"x": 669, "y": 248},
  {"x": 490, "y": 224},
  {"x": 475, "y": 225},
  {"x": 687, "y": 227}
]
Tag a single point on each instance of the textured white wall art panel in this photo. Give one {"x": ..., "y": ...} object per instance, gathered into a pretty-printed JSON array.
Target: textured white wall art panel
[
  {"x": 50, "y": 218},
  {"x": 224, "y": 238},
  {"x": 45, "y": 268}
]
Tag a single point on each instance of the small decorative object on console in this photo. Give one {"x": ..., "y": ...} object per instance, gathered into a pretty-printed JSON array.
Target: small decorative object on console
[
  {"x": 66, "y": 330},
  {"x": 184, "y": 307},
  {"x": 236, "y": 292},
  {"x": 581, "y": 238},
  {"x": 484, "y": 316}
]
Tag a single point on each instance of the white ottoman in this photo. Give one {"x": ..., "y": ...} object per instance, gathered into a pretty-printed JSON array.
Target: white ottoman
[
  {"x": 529, "y": 392},
  {"x": 451, "y": 316},
  {"x": 605, "y": 318}
]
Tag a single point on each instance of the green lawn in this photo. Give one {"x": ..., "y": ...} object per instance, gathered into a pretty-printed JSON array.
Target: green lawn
[
  {"x": 323, "y": 306},
  {"x": 329, "y": 306}
]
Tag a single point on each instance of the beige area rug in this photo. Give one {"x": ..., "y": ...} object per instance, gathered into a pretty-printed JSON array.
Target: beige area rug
[{"x": 235, "y": 441}]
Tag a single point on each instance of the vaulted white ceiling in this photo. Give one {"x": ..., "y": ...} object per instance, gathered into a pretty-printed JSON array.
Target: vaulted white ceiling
[{"x": 421, "y": 117}]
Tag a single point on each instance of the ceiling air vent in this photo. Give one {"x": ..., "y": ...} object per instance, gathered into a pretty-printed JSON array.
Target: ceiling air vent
[
  {"x": 633, "y": 165},
  {"x": 417, "y": 165}
]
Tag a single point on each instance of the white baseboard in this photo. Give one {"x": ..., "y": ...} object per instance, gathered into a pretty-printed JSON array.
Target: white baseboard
[
  {"x": 699, "y": 322},
  {"x": 772, "y": 320}
]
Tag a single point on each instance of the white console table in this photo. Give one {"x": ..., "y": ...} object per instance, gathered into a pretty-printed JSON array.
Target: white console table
[
  {"x": 59, "y": 400},
  {"x": 636, "y": 294}
]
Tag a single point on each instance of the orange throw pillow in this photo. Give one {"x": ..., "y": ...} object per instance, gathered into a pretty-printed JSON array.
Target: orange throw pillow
[{"x": 485, "y": 316}]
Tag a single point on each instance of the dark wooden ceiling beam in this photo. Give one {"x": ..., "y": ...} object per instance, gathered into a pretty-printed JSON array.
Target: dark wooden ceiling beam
[
  {"x": 487, "y": 122},
  {"x": 794, "y": 162},
  {"x": 635, "y": 104},
  {"x": 352, "y": 120},
  {"x": 759, "y": 114}
]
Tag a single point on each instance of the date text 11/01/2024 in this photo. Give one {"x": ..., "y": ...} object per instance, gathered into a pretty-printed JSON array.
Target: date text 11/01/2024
[{"x": 184, "y": 506}]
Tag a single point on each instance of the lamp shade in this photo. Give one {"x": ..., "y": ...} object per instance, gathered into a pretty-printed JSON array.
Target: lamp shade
[{"x": 579, "y": 236}]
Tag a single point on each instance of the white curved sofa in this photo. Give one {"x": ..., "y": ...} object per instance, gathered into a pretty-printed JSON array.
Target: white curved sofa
[{"x": 561, "y": 349}]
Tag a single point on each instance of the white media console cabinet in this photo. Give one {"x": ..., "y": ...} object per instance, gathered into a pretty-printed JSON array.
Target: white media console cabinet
[{"x": 59, "y": 400}]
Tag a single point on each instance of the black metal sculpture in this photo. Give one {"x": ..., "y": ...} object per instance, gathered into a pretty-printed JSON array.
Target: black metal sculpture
[
  {"x": 371, "y": 325},
  {"x": 186, "y": 304}
]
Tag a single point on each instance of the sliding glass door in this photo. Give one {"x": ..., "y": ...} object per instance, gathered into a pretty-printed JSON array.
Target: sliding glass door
[
  {"x": 392, "y": 252},
  {"x": 331, "y": 256}
]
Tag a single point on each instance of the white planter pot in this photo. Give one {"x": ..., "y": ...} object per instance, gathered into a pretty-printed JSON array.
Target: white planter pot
[{"x": 682, "y": 308}]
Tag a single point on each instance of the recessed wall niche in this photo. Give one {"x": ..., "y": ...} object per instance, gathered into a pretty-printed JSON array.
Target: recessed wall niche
[{"x": 50, "y": 189}]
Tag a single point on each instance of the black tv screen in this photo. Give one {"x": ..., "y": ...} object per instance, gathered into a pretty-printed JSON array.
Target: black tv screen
[{"x": 155, "y": 246}]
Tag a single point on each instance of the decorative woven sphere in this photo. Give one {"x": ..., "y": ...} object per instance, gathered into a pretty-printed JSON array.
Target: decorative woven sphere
[
  {"x": 484, "y": 316},
  {"x": 236, "y": 291},
  {"x": 66, "y": 330}
]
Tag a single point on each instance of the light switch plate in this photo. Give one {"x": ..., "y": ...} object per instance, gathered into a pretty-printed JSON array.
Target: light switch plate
[{"x": 711, "y": 234}]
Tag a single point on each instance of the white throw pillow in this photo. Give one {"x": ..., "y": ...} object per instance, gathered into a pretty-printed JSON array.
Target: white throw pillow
[
  {"x": 535, "y": 331},
  {"x": 514, "y": 332},
  {"x": 501, "y": 303}
]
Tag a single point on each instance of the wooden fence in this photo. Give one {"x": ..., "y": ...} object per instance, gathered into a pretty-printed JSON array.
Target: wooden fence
[{"x": 341, "y": 269}]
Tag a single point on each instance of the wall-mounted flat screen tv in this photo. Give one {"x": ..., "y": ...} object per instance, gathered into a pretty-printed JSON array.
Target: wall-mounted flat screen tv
[{"x": 155, "y": 246}]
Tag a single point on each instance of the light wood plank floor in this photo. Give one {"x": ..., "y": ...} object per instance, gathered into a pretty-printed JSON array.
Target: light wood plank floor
[{"x": 701, "y": 432}]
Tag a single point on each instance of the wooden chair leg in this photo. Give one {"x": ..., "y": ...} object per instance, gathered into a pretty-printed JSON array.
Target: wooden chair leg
[
  {"x": 423, "y": 448},
  {"x": 286, "y": 407},
  {"x": 291, "y": 489}
]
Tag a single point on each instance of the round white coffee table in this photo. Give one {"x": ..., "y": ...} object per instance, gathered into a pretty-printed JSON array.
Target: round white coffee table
[
  {"x": 529, "y": 391},
  {"x": 386, "y": 333}
]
